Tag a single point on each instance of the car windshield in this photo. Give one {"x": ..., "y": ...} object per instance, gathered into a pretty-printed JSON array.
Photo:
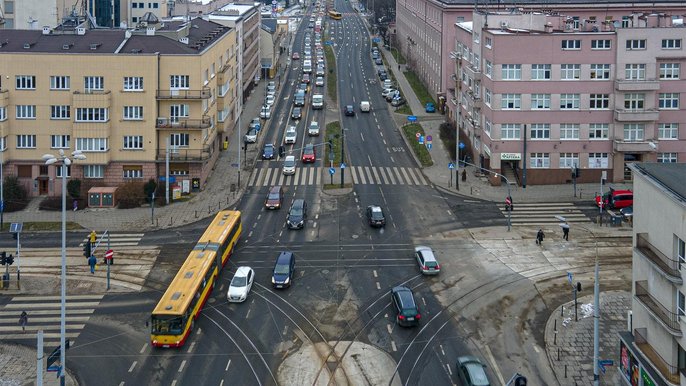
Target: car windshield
[
  {"x": 239, "y": 281},
  {"x": 477, "y": 374},
  {"x": 296, "y": 212},
  {"x": 273, "y": 196},
  {"x": 377, "y": 215},
  {"x": 281, "y": 269},
  {"x": 309, "y": 150},
  {"x": 289, "y": 163}
]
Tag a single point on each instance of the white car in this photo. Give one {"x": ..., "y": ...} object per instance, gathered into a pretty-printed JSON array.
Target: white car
[
  {"x": 313, "y": 129},
  {"x": 266, "y": 112},
  {"x": 270, "y": 100},
  {"x": 289, "y": 165},
  {"x": 291, "y": 135},
  {"x": 240, "y": 285},
  {"x": 319, "y": 81},
  {"x": 271, "y": 86},
  {"x": 387, "y": 91}
]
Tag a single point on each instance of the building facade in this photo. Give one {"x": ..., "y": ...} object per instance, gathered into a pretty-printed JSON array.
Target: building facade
[
  {"x": 652, "y": 350},
  {"x": 539, "y": 96},
  {"x": 118, "y": 96}
]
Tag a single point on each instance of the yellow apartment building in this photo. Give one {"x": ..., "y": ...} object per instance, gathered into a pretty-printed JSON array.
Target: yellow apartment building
[{"x": 119, "y": 96}]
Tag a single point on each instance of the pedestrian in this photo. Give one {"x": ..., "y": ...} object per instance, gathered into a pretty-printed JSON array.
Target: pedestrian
[
  {"x": 91, "y": 262},
  {"x": 565, "y": 231},
  {"x": 23, "y": 320},
  {"x": 539, "y": 237}
]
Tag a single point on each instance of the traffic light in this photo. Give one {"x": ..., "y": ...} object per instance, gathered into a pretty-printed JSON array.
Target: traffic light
[
  {"x": 87, "y": 249},
  {"x": 15, "y": 235},
  {"x": 578, "y": 286},
  {"x": 520, "y": 381},
  {"x": 3, "y": 258},
  {"x": 9, "y": 260},
  {"x": 508, "y": 203}
]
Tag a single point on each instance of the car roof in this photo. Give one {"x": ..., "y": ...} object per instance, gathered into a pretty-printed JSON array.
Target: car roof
[
  {"x": 298, "y": 202},
  {"x": 290, "y": 158},
  {"x": 405, "y": 296},
  {"x": 275, "y": 189},
  {"x": 375, "y": 208},
  {"x": 242, "y": 271},
  {"x": 427, "y": 253},
  {"x": 268, "y": 145},
  {"x": 284, "y": 257}
]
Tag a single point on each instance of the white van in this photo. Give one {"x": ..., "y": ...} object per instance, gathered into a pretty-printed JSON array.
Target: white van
[
  {"x": 317, "y": 101},
  {"x": 307, "y": 66},
  {"x": 365, "y": 106}
]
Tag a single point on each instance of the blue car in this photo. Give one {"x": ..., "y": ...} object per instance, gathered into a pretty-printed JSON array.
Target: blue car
[
  {"x": 268, "y": 152},
  {"x": 430, "y": 108}
]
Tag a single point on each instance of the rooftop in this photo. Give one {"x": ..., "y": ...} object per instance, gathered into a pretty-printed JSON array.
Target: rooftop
[
  {"x": 669, "y": 175},
  {"x": 502, "y": 4}
]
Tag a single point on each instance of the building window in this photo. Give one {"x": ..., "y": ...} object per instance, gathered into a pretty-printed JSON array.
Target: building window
[
  {"x": 569, "y": 101},
  {"x": 93, "y": 171},
  {"x": 540, "y": 71},
  {"x": 92, "y": 114},
  {"x": 569, "y": 160},
  {"x": 668, "y": 131},
  {"x": 133, "y": 83},
  {"x": 179, "y": 81},
  {"x": 669, "y": 70},
  {"x": 3, "y": 113},
  {"x": 600, "y": 71},
  {"x": 539, "y": 160},
  {"x": 3, "y": 143},
  {"x": 488, "y": 42},
  {"x": 512, "y": 71},
  {"x": 59, "y": 82},
  {"x": 666, "y": 157},
  {"x": 570, "y": 71},
  {"x": 600, "y": 101},
  {"x": 634, "y": 132},
  {"x": 133, "y": 113},
  {"x": 93, "y": 83},
  {"x": 487, "y": 96},
  {"x": 634, "y": 101},
  {"x": 60, "y": 112},
  {"x": 540, "y": 131},
  {"x": 604, "y": 44},
  {"x": 569, "y": 131},
  {"x": 134, "y": 18},
  {"x": 489, "y": 68},
  {"x": 511, "y": 101},
  {"x": 669, "y": 100},
  {"x": 177, "y": 112},
  {"x": 91, "y": 144},
  {"x": 635, "y": 71},
  {"x": 59, "y": 141},
  {"x": 487, "y": 127},
  {"x": 180, "y": 140},
  {"x": 26, "y": 141},
  {"x": 25, "y": 82},
  {"x": 636, "y": 44},
  {"x": 25, "y": 111},
  {"x": 131, "y": 172},
  {"x": 540, "y": 101},
  {"x": 598, "y": 131},
  {"x": 598, "y": 160},
  {"x": 133, "y": 142},
  {"x": 681, "y": 303},
  {"x": 58, "y": 171},
  {"x": 680, "y": 250},
  {"x": 571, "y": 44},
  {"x": 134, "y": 5},
  {"x": 671, "y": 44},
  {"x": 510, "y": 131}
]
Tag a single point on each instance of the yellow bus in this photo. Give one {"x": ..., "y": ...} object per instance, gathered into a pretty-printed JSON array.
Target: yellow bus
[
  {"x": 173, "y": 318},
  {"x": 335, "y": 15}
]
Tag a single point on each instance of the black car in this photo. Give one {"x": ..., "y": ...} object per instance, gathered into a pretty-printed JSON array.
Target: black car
[
  {"x": 375, "y": 216},
  {"x": 283, "y": 270},
  {"x": 378, "y": 61},
  {"x": 297, "y": 113},
  {"x": 268, "y": 152},
  {"x": 383, "y": 76},
  {"x": 297, "y": 214},
  {"x": 349, "y": 111},
  {"x": 407, "y": 311}
]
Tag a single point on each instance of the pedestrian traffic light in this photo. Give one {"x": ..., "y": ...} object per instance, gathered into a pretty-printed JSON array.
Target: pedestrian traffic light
[
  {"x": 3, "y": 258},
  {"x": 15, "y": 235},
  {"x": 578, "y": 286},
  {"x": 87, "y": 249},
  {"x": 9, "y": 260}
]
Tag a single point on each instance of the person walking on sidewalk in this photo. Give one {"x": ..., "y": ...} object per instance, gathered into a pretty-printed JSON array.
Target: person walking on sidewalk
[
  {"x": 565, "y": 230},
  {"x": 23, "y": 320},
  {"x": 539, "y": 237}
]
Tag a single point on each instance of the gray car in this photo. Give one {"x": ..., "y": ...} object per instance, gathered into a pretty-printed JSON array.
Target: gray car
[
  {"x": 471, "y": 371},
  {"x": 426, "y": 260}
]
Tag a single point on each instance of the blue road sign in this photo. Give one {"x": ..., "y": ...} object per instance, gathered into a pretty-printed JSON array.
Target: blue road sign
[
  {"x": 606, "y": 362},
  {"x": 569, "y": 277},
  {"x": 172, "y": 179},
  {"x": 2, "y": 206},
  {"x": 342, "y": 165},
  {"x": 451, "y": 165},
  {"x": 461, "y": 145},
  {"x": 429, "y": 138},
  {"x": 412, "y": 118},
  {"x": 429, "y": 145},
  {"x": 328, "y": 43},
  {"x": 332, "y": 171},
  {"x": 376, "y": 40},
  {"x": 421, "y": 139}
]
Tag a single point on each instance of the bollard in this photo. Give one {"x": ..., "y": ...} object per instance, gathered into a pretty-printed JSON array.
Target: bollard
[
  {"x": 158, "y": 222},
  {"x": 471, "y": 190},
  {"x": 562, "y": 310},
  {"x": 209, "y": 210},
  {"x": 558, "y": 354},
  {"x": 196, "y": 213},
  {"x": 171, "y": 220},
  {"x": 555, "y": 333},
  {"x": 565, "y": 371}
]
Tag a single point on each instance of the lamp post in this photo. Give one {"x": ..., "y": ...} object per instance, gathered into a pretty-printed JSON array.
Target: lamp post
[
  {"x": 49, "y": 160},
  {"x": 509, "y": 212}
]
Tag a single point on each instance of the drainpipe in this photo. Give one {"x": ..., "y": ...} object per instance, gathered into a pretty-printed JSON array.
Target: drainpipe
[{"x": 524, "y": 161}]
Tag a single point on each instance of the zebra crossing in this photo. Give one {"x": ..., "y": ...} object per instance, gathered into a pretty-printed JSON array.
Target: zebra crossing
[
  {"x": 44, "y": 314},
  {"x": 365, "y": 175},
  {"x": 117, "y": 240},
  {"x": 530, "y": 214}
]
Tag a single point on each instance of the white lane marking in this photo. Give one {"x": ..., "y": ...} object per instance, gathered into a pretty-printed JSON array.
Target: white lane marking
[
  {"x": 423, "y": 300},
  {"x": 370, "y": 159},
  {"x": 447, "y": 366},
  {"x": 494, "y": 364},
  {"x": 227, "y": 365},
  {"x": 392, "y": 160},
  {"x": 121, "y": 383},
  {"x": 248, "y": 313},
  {"x": 441, "y": 347},
  {"x": 389, "y": 328},
  {"x": 250, "y": 234},
  {"x": 537, "y": 349},
  {"x": 375, "y": 275},
  {"x": 143, "y": 348},
  {"x": 199, "y": 331},
  {"x": 173, "y": 383},
  {"x": 183, "y": 364},
  {"x": 362, "y": 136},
  {"x": 132, "y": 366},
  {"x": 378, "y": 286},
  {"x": 393, "y": 347},
  {"x": 191, "y": 347}
]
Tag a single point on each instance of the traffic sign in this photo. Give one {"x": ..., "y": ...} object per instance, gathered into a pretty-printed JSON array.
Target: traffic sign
[
  {"x": 461, "y": 145},
  {"x": 109, "y": 254},
  {"x": 2, "y": 206},
  {"x": 332, "y": 171},
  {"x": 569, "y": 277},
  {"x": 328, "y": 43},
  {"x": 412, "y": 118},
  {"x": 421, "y": 139},
  {"x": 429, "y": 138},
  {"x": 376, "y": 40},
  {"x": 429, "y": 145},
  {"x": 342, "y": 165},
  {"x": 451, "y": 165},
  {"x": 605, "y": 362},
  {"x": 417, "y": 135}
]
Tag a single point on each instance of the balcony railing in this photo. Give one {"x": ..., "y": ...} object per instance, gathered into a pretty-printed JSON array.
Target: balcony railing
[
  {"x": 185, "y": 154},
  {"x": 642, "y": 115},
  {"x": 205, "y": 93},
  {"x": 637, "y": 84},
  {"x": 668, "y": 318},
  {"x": 635, "y": 146},
  {"x": 668, "y": 371},
  {"x": 669, "y": 267},
  {"x": 183, "y": 123}
]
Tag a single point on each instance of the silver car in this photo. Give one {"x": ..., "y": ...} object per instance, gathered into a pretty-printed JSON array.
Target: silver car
[
  {"x": 291, "y": 135},
  {"x": 426, "y": 260}
]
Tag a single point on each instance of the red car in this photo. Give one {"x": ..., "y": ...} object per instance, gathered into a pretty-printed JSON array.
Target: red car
[
  {"x": 306, "y": 78},
  {"x": 616, "y": 199},
  {"x": 296, "y": 55},
  {"x": 309, "y": 155}
]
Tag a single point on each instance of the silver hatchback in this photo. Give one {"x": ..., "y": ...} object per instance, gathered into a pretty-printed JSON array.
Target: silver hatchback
[{"x": 426, "y": 260}]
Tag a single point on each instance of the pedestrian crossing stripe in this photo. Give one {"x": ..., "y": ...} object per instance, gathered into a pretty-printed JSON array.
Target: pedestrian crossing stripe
[
  {"x": 117, "y": 240},
  {"x": 529, "y": 214},
  {"x": 364, "y": 175}
]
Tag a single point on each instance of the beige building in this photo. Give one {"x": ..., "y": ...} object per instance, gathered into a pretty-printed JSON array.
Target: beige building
[
  {"x": 118, "y": 96},
  {"x": 653, "y": 348}
]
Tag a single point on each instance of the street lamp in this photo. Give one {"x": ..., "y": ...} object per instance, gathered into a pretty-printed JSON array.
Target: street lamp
[{"x": 49, "y": 160}]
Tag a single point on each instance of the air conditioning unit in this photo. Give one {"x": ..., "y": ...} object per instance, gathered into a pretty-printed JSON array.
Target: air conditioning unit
[
  {"x": 503, "y": 24},
  {"x": 162, "y": 122}
]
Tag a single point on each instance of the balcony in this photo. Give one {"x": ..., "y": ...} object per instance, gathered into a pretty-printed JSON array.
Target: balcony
[
  {"x": 4, "y": 98},
  {"x": 634, "y": 146},
  {"x": 92, "y": 99},
  {"x": 185, "y": 155},
  {"x": 205, "y": 93},
  {"x": 183, "y": 123},
  {"x": 667, "y": 318},
  {"x": 637, "y": 84},
  {"x": 623, "y": 115},
  {"x": 668, "y": 267},
  {"x": 668, "y": 371},
  {"x": 474, "y": 72}
]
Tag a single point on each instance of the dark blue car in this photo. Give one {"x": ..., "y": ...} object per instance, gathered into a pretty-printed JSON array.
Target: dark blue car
[
  {"x": 268, "y": 152},
  {"x": 283, "y": 270}
]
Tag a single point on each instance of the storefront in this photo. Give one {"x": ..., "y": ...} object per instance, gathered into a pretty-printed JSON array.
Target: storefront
[{"x": 633, "y": 366}]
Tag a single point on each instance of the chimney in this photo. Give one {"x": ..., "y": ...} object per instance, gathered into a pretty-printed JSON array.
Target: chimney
[
  {"x": 184, "y": 40},
  {"x": 46, "y": 30},
  {"x": 80, "y": 30}
]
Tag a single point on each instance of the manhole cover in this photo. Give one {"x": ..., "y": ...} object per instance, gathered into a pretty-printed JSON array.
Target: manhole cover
[
  {"x": 355, "y": 236},
  {"x": 325, "y": 271}
]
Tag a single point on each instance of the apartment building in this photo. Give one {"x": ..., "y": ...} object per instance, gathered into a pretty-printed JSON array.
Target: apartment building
[
  {"x": 246, "y": 20},
  {"x": 539, "y": 96},
  {"x": 119, "y": 96},
  {"x": 652, "y": 350}
]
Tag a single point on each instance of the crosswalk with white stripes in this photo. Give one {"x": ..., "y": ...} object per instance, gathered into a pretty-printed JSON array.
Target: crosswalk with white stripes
[
  {"x": 117, "y": 240},
  {"x": 44, "y": 314},
  {"x": 529, "y": 214},
  {"x": 365, "y": 175}
]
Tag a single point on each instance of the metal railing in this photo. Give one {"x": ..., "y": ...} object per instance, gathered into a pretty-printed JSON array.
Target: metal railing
[
  {"x": 670, "y": 372},
  {"x": 669, "y": 318},
  {"x": 185, "y": 154},
  {"x": 204, "y": 93},
  {"x": 669, "y": 266},
  {"x": 183, "y": 123}
]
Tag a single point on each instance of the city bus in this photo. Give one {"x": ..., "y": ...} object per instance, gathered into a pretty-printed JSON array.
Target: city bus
[
  {"x": 335, "y": 15},
  {"x": 173, "y": 318}
]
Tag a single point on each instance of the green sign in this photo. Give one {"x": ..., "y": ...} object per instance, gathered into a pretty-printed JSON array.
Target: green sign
[{"x": 647, "y": 381}]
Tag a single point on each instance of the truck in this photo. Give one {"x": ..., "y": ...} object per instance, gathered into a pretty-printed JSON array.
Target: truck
[
  {"x": 300, "y": 98},
  {"x": 317, "y": 101},
  {"x": 365, "y": 106}
]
